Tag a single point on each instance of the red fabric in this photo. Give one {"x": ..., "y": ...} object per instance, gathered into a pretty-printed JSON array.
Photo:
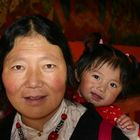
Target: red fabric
[
  {"x": 105, "y": 131},
  {"x": 78, "y": 98},
  {"x": 109, "y": 113}
]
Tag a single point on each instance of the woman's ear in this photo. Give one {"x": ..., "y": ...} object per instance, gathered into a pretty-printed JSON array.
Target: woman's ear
[{"x": 76, "y": 76}]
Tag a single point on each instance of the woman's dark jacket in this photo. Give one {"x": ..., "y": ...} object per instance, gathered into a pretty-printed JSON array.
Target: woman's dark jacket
[{"x": 86, "y": 129}]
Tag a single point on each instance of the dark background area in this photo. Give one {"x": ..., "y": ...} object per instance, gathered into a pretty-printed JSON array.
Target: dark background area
[{"x": 117, "y": 20}]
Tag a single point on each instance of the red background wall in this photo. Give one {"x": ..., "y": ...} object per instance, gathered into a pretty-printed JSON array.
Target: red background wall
[
  {"x": 77, "y": 48},
  {"x": 117, "y": 21}
]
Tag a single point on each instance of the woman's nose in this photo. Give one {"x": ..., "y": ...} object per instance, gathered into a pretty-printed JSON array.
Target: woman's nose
[{"x": 34, "y": 79}]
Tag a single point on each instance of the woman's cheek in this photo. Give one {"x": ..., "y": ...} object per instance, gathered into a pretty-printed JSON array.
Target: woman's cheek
[
  {"x": 59, "y": 83},
  {"x": 10, "y": 85}
]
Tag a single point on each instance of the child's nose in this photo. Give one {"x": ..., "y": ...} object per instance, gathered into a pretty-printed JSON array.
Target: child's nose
[{"x": 102, "y": 86}]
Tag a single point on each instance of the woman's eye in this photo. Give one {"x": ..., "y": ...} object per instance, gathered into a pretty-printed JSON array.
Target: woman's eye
[
  {"x": 113, "y": 85},
  {"x": 17, "y": 67},
  {"x": 49, "y": 66}
]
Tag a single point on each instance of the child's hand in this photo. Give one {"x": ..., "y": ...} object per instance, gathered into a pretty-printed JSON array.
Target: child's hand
[{"x": 125, "y": 123}]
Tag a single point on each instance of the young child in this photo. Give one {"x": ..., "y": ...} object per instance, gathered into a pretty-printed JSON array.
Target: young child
[{"x": 103, "y": 74}]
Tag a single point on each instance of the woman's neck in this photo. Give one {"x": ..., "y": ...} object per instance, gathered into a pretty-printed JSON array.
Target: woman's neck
[{"x": 38, "y": 123}]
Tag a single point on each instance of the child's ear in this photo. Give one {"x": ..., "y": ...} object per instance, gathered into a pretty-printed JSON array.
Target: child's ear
[{"x": 76, "y": 75}]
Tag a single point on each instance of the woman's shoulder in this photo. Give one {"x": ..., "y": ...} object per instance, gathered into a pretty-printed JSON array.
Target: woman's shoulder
[
  {"x": 6, "y": 121},
  {"x": 6, "y": 125},
  {"x": 74, "y": 110},
  {"x": 89, "y": 124},
  {"x": 87, "y": 112},
  {"x": 74, "y": 105}
]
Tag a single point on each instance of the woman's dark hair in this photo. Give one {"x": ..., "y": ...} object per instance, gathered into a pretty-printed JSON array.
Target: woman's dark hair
[
  {"x": 27, "y": 25},
  {"x": 99, "y": 54}
]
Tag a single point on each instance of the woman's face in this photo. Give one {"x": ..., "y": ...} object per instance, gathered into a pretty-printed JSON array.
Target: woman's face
[
  {"x": 34, "y": 76},
  {"x": 101, "y": 86}
]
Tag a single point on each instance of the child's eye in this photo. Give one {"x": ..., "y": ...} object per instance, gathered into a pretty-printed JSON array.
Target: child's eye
[
  {"x": 96, "y": 77},
  {"x": 113, "y": 85}
]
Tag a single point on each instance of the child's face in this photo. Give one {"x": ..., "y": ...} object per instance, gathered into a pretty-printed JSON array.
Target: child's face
[
  {"x": 101, "y": 85},
  {"x": 32, "y": 76}
]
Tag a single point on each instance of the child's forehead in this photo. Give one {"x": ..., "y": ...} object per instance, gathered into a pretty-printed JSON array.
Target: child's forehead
[
  {"x": 108, "y": 71},
  {"x": 99, "y": 65}
]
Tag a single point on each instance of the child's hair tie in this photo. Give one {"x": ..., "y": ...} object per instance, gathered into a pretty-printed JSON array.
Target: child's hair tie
[
  {"x": 101, "y": 41},
  {"x": 128, "y": 56}
]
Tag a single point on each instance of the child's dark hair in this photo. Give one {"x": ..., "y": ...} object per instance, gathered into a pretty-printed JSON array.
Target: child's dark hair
[
  {"x": 99, "y": 54},
  {"x": 91, "y": 39}
]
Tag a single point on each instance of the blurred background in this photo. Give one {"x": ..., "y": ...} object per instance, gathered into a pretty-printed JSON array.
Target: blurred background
[{"x": 117, "y": 20}]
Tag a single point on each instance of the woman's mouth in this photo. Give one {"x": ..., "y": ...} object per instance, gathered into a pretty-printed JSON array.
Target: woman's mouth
[{"x": 34, "y": 100}]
